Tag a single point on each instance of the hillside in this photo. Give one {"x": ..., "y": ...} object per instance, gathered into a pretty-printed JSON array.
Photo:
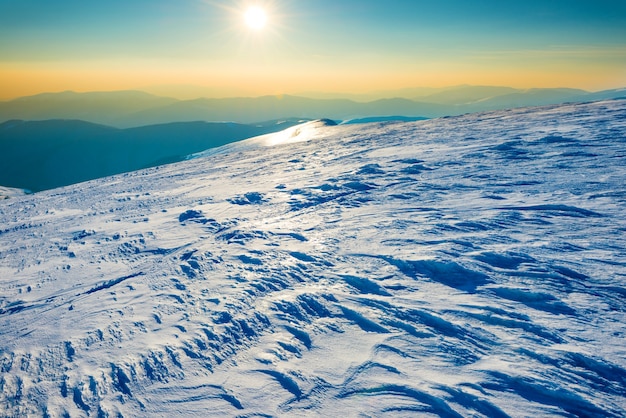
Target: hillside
[{"x": 464, "y": 266}]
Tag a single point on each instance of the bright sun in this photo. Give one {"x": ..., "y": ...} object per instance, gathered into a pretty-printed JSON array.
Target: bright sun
[{"x": 255, "y": 18}]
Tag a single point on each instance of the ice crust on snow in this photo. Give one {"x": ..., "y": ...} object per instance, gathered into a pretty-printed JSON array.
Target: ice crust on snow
[{"x": 465, "y": 266}]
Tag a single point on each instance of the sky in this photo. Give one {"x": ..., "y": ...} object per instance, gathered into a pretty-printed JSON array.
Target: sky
[{"x": 203, "y": 46}]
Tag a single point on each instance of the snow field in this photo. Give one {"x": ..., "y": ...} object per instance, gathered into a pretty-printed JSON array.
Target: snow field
[{"x": 467, "y": 266}]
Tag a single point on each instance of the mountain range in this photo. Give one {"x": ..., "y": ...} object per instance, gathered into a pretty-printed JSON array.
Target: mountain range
[
  {"x": 56, "y": 139},
  {"x": 41, "y": 155},
  {"x": 123, "y": 109}
]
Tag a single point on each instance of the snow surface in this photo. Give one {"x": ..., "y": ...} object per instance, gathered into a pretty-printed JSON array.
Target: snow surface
[
  {"x": 466, "y": 266},
  {"x": 9, "y": 192}
]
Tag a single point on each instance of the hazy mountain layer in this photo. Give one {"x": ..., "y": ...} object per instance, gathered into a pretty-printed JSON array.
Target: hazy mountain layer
[
  {"x": 466, "y": 266},
  {"x": 131, "y": 109},
  {"x": 41, "y": 155}
]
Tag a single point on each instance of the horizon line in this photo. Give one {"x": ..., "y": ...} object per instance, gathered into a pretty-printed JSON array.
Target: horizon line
[{"x": 367, "y": 96}]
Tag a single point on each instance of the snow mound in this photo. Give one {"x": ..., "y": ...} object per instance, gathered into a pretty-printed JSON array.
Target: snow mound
[{"x": 466, "y": 266}]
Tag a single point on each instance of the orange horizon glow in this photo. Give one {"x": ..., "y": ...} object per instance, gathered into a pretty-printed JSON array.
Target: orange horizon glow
[
  {"x": 28, "y": 79},
  {"x": 326, "y": 47}
]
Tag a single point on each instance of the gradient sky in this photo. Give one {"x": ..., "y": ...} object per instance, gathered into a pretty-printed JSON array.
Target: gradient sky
[{"x": 309, "y": 45}]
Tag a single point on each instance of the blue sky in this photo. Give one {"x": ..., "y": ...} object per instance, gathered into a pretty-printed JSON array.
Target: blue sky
[{"x": 311, "y": 45}]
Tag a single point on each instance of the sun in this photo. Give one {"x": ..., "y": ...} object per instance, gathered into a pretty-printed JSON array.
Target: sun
[{"x": 255, "y": 18}]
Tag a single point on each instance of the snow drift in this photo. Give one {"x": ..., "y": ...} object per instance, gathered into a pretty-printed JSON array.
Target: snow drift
[{"x": 467, "y": 266}]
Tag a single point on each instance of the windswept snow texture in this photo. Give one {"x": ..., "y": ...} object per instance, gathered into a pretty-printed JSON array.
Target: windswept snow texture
[{"x": 467, "y": 266}]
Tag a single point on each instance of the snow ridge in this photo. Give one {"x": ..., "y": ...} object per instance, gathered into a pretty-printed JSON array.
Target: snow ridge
[{"x": 466, "y": 266}]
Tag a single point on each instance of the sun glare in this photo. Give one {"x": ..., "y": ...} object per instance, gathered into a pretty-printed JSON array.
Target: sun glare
[{"x": 255, "y": 18}]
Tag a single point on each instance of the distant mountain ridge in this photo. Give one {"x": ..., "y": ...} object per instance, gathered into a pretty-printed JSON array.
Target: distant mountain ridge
[
  {"x": 41, "y": 155},
  {"x": 56, "y": 139},
  {"x": 125, "y": 109},
  {"x": 97, "y": 107}
]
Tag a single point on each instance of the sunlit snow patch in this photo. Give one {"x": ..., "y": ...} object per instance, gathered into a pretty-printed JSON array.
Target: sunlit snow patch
[{"x": 299, "y": 133}]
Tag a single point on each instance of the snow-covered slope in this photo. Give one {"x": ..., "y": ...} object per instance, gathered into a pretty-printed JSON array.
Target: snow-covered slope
[
  {"x": 468, "y": 266},
  {"x": 8, "y": 192}
]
